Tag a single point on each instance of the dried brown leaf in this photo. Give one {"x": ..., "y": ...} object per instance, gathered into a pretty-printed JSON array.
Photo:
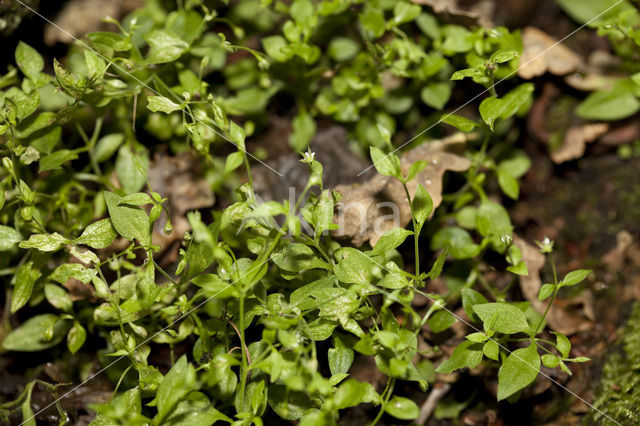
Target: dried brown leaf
[
  {"x": 370, "y": 208},
  {"x": 179, "y": 180},
  {"x": 576, "y": 139},
  {"x": 542, "y": 53}
]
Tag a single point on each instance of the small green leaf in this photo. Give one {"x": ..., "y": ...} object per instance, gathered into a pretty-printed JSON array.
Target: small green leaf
[
  {"x": 516, "y": 100},
  {"x": 516, "y": 166},
  {"x": 595, "y": 12},
  {"x": 194, "y": 409},
  {"x": 29, "y": 60},
  {"x": 467, "y": 354},
  {"x": 415, "y": 168},
  {"x": 457, "y": 240},
  {"x": 402, "y": 408},
  {"x": 373, "y": 21},
  {"x": 614, "y": 104},
  {"x": 502, "y": 317},
  {"x": 385, "y": 164},
  {"x": 508, "y": 184},
  {"x": 458, "y": 39},
  {"x": 575, "y": 277},
  {"x": 58, "y": 297},
  {"x": 96, "y": 66},
  {"x": 340, "y": 359},
  {"x": 66, "y": 271},
  {"x": 470, "y": 297},
  {"x": 467, "y": 72},
  {"x": 422, "y": 205},
  {"x": 342, "y": 49},
  {"x": 518, "y": 371},
  {"x": 323, "y": 213},
  {"x": 213, "y": 285},
  {"x": 491, "y": 350},
  {"x": 178, "y": 382},
  {"x": 136, "y": 199},
  {"x": 162, "y": 104},
  {"x": 436, "y": 95},
  {"x": 440, "y": 321},
  {"x": 25, "y": 278},
  {"x": 405, "y": 12},
  {"x": 563, "y": 344},
  {"x": 545, "y": 291},
  {"x": 459, "y": 122},
  {"x": 131, "y": 222},
  {"x": 390, "y": 240},
  {"x": 28, "y": 418},
  {"x": 304, "y": 127},
  {"x": 490, "y": 110},
  {"x": 352, "y": 392},
  {"x": 355, "y": 267},
  {"x": 233, "y": 161},
  {"x": 30, "y": 336},
  {"x": 67, "y": 81},
  {"x": 131, "y": 168},
  {"x": 44, "y": 242},
  {"x": 477, "y": 337},
  {"x": 297, "y": 257},
  {"x": 165, "y": 47},
  {"x": 9, "y": 238},
  {"x": 107, "y": 146},
  {"x": 110, "y": 41},
  {"x": 56, "y": 159},
  {"x": 288, "y": 404},
  {"x": 98, "y": 235},
  {"x": 504, "y": 55},
  {"x": 436, "y": 269},
  {"x": 550, "y": 360}
]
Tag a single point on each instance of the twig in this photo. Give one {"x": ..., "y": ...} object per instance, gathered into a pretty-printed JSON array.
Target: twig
[{"x": 430, "y": 404}]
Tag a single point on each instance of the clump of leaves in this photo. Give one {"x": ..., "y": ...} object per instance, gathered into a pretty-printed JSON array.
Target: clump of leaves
[{"x": 264, "y": 312}]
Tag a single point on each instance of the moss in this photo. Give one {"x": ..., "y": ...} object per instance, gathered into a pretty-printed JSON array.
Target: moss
[{"x": 618, "y": 394}]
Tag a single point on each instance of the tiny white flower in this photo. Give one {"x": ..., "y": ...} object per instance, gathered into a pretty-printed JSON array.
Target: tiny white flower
[
  {"x": 506, "y": 239},
  {"x": 546, "y": 246},
  {"x": 308, "y": 157}
]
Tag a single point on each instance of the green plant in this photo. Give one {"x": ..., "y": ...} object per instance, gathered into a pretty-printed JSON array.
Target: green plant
[{"x": 254, "y": 298}]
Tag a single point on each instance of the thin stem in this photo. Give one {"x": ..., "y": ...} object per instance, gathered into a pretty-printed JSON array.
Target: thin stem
[
  {"x": 243, "y": 367},
  {"x": 416, "y": 231},
  {"x": 388, "y": 390},
  {"x": 553, "y": 297}
]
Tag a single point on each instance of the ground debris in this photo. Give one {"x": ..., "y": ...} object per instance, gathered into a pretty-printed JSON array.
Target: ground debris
[
  {"x": 563, "y": 316},
  {"x": 538, "y": 57},
  {"x": 370, "y": 208},
  {"x": 178, "y": 178}
]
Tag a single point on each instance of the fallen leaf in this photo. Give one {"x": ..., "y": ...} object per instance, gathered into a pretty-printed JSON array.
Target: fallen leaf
[
  {"x": 614, "y": 258},
  {"x": 449, "y": 11},
  {"x": 600, "y": 73},
  {"x": 576, "y": 139},
  {"x": 331, "y": 148},
  {"x": 178, "y": 179},
  {"x": 370, "y": 208},
  {"x": 563, "y": 316},
  {"x": 542, "y": 53},
  {"x": 79, "y": 17}
]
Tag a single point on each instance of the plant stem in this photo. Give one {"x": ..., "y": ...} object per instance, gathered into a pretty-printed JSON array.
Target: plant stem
[
  {"x": 388, "y": 390},
  {"x": 243, "y": 366},
  {"x": 553, "y": 297},
  {"x": 416, "y": 232}
]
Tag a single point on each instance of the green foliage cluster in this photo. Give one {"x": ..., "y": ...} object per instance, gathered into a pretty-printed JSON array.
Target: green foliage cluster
[{"x": 271, "y": 317}]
